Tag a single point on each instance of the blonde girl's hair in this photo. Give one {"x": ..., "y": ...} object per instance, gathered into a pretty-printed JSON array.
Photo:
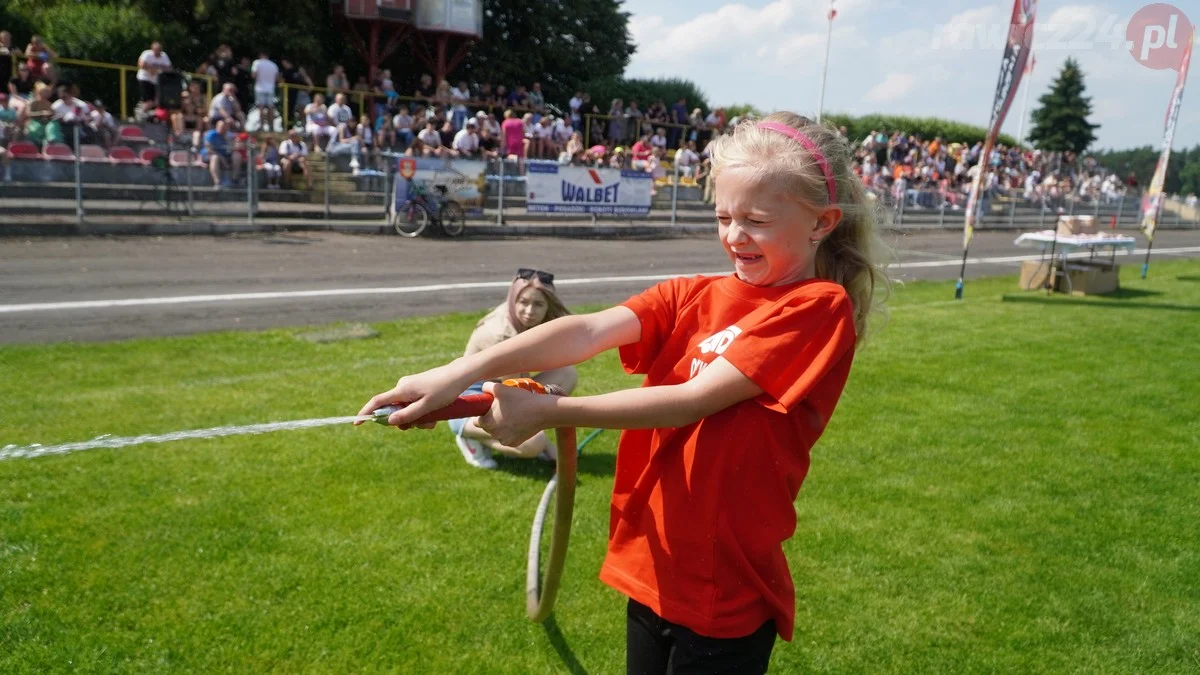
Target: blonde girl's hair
[{"x": 853, "y": 255}]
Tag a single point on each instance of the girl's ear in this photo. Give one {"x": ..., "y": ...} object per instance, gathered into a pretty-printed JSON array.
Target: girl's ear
[{"x": 827, "y": 221}]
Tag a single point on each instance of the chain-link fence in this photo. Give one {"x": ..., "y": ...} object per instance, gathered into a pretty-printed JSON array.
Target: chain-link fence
[
  {"x": 151, "y": 185},
  {"x": 139, "y": 182},
  {"x": 936, "y": 208}
]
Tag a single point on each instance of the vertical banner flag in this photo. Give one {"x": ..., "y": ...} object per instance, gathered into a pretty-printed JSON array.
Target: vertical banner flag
[
  {"x": 1153, "y": 199},
  {"x": 1012, "y": 67}
]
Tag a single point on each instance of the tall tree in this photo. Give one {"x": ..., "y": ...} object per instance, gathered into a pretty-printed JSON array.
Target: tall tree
[
  {"x": 561, "y": 43},
  {"x": 1060, "y": 124},
  {"x": 117, "y": 30}
]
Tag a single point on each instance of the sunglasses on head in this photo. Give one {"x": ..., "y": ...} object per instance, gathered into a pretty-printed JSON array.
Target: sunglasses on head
[{"x": 544, "y": 277}]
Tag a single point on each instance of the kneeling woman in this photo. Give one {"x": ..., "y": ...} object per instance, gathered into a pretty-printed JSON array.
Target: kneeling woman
[{"x": 531, "y": 302}]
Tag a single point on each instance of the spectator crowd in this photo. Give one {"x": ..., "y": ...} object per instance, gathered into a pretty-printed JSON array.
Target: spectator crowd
[
  {"x": 484, "y": 121},
  {"x": 908, "y": 171},
  {"x": 435, "y": 119}
]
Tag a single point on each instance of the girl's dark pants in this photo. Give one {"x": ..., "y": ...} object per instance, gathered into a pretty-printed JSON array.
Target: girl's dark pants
[{"x": 656, "y": 646}]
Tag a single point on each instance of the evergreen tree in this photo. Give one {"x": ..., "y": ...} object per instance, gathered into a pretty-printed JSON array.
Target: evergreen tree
[{"x": 1060, "y": 123}]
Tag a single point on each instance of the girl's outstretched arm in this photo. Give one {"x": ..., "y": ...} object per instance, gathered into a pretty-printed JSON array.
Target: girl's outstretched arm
[
  {"x": 517, "y": 415},
  {"x": 562, "y": 342}
]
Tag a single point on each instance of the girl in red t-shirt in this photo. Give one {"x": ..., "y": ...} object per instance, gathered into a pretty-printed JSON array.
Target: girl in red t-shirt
[{"x": 742, "y": 374}]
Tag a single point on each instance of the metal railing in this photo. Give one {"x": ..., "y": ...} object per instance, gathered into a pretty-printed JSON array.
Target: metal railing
[
  {"x": 625, "y": 130},
  {"x": 367, "y": 102},
  {"x": 175, "y": 192},
  {"x": 123, "y": 73},
  {"x": 174, "y": 189},
  {"x": 918, "y": 207}
]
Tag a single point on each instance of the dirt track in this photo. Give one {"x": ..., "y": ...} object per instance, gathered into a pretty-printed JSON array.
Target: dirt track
[{"x": 53, "y": 270}]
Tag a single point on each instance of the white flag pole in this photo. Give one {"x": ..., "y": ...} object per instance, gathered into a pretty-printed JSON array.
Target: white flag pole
[
  {"x": 825, "y": 65},
  {"x": 1025, "y": 102}
]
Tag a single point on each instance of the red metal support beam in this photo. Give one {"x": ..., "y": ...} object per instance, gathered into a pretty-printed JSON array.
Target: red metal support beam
[
  {"x": 394, "y": 41},
  {"x": 357, "y": 40},
  {"x": 373, "y": 56},
  {"x": 421, "y": 51},
  {"x": 438, "y": 64},
  {"x": 442, "y": 38},
  {"x": 464, "y": 48}
]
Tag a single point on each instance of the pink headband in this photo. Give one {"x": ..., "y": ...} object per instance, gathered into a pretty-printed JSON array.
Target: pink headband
[{"x": 799, "y": 137}]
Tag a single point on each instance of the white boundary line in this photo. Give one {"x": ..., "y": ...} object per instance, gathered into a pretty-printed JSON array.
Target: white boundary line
[{"x": 433, "y": 288}]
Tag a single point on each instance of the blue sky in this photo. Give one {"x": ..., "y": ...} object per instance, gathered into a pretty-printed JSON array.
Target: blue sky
[{"x": 920, "y": 57}]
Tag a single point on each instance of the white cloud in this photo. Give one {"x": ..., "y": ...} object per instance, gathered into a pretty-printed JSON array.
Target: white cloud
[
  {"x": 981, "y": 28},
  {"x": 797, "y": 47},
  {"x": 892, "y": 88},
  {"x": 785, "y": 29},
  {"x": 644, "y": 30},
  {"x": 1078, "y": 28},
  {"x": 888, "y": 57},
  {"x": 728, "y": 24}
]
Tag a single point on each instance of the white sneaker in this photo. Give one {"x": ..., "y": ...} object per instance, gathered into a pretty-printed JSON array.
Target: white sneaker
[
  {"x": 476, "y": 454},
  {"x": 550, "y": 454}
]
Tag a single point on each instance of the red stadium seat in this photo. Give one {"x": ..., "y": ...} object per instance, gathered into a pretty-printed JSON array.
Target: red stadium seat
[
  {"x": 150, "y": 154},
  {"x": 121, "y": 154},
  {"x": 180, "y": 158},
  {"x": 24, "y": 150},
  {"x": 92, "y": 153},
  {"x": 59, "y": 152},
  {"x": 130, "y": 133}
]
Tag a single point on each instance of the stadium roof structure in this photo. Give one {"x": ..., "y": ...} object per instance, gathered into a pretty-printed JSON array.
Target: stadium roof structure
[{"x": 439, "y": 32}]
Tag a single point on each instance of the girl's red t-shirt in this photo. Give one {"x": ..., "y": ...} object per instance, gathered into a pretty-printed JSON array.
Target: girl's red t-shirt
[{"x": 699, "y": 513}]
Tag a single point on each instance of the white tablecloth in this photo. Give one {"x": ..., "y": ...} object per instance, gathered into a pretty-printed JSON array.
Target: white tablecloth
[{"x": 1045, "y": 240}]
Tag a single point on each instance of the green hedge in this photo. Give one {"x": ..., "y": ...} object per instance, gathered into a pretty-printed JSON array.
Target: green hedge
[{"x": 857, "y": 128}]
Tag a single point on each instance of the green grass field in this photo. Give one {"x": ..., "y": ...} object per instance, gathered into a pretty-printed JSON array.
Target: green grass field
[{"x": 1011, "y": 483}]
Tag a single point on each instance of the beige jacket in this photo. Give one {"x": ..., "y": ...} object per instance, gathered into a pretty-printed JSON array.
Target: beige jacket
[{"x": 491, "y": 330}]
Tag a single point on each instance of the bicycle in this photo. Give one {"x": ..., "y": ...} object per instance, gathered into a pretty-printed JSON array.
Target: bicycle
[
  {"x": 415, "y": 215},
  {"x": 167, "y": 195}
]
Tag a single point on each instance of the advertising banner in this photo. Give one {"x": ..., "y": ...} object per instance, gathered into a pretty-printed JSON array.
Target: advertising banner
[
  {"x": 551, "y": 188},
  {"x": 465, "y": 180}
]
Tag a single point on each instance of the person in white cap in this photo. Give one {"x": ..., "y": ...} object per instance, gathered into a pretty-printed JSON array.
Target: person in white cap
[{"x": 466, "y": 141}]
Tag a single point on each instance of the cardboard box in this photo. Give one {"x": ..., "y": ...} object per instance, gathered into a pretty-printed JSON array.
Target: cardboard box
[
  {"x": 1034, "y": 274},
  {"x": 1070, "y": 225},
  {"x": 1088, "y": 278}
]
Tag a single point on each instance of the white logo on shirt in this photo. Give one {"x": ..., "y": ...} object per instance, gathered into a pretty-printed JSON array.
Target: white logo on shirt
[
  {"x": 721, "y": 341},
  {"x": 717, "y": 344}
]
